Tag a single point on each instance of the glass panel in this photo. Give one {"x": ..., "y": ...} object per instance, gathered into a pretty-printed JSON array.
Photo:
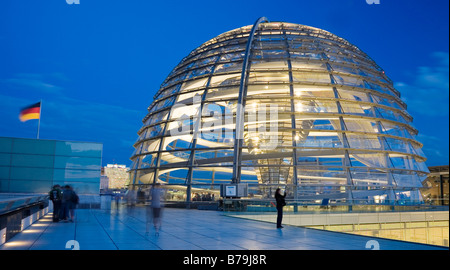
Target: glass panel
[
  {"x": 84, "y": 163},
  {"x": 32, "y": 161},
  {"x": 4, "y": 172},
  {"x": 305, "y": 55},
  {"x": 316, "y": 162},
  {"x": 234, "y": 56},
  {"x": 361, "y": 126},
  {"x": 297, "y": 65},
  {"x": 268, "y": 54},
  {"x": 194, "y": 84},
  {"x": 224, "y": 80},
  {"x": 148, "y": 161},
  {"x": 30, "y": 186},
  {"x": 268, "y": 77},
  {"x": 154, "y": 131},
  {"x": 24, "y": 173},
  {"x": 5, "y": 159},
  {"x": 313, "y": 91},
  {"x": 79, "y": 149},
  {"x": 149, "y": 146},
  {"x": 316, "y": 77},
  {"x": 228, "y": 67},
  {"x": 368, "y": 177},
  {"x": 268, "y": 90},
  {"x": 4, "y": 184},
  {"x": 6, "y": 145},
  {"x": 161, "y": 116},
  {"x": 224, "y": 93},
  {"x": 364, "y": 141},
  {"x": 347, "y": 80},
  {"x": 407, "y": 179},
  {"x": 76, "y": 175},
  {"x": 353, "y": 95},
  {"x": 320, "y": 142},
  {"x": 261, "y": 65},
  {"x": 30, "y": 146},
  {"x": 357, "y": 109}
]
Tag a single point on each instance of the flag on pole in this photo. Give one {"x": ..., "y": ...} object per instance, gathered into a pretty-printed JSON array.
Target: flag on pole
[{"x": 30, "y": 112}]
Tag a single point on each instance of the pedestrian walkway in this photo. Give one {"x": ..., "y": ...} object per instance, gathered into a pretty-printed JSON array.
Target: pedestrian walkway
[{"x": 183, "y": 229}]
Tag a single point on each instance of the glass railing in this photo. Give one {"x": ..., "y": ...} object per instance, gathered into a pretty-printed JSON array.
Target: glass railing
[
  {"x": 327, "y": 206},
  {"x": 413, "y": 222},
  {"x": 11, "y": 202}
]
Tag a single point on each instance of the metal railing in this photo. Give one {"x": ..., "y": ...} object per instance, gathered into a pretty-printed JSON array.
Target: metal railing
[
  {"x": 10, "y": 203},
  {"x": 317, "y": 206}
]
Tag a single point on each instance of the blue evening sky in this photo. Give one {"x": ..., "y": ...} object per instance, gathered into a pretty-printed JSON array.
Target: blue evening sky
[{"x": 97, "y": 65}]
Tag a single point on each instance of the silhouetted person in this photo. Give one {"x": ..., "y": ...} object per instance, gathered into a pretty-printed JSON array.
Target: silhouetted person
[
  {"x": 280, "y": 203},
  {"x": 55, "y": 196}
]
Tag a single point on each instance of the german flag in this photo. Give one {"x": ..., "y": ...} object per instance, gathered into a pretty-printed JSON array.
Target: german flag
[{"x": 30, "y": 112}]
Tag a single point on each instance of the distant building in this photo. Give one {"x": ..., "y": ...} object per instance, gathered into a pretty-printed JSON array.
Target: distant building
[
  {"x": 114, "y": 176},
  {"x": 34, "y": 166},
  {"x": 104, "y": 180}
]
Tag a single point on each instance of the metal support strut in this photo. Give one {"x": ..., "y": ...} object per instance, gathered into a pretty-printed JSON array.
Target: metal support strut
[{"x": 239, "y": 132}]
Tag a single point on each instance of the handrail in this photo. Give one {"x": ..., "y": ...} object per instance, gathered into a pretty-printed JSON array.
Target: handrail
[{"x": 8, "y": 205}]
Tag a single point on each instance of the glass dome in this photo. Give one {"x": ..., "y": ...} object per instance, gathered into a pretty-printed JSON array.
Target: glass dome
[{"x": 315, "y": 115}]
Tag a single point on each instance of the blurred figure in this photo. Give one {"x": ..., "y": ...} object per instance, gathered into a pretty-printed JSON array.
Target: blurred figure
[
  {"x": 116, "y": 199},
  {"x": 68, "y": 203},
  {"x": 74, "y": 200},
  {"x": 156, "y": 206},
  {"x": 63, "y": 211},
  {"x": 55, "y": 196},
  {"x": 130, "y": 197}
]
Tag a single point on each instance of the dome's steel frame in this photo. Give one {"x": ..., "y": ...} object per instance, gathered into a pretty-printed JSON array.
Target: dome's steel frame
[{"x": 374, "y": 100}]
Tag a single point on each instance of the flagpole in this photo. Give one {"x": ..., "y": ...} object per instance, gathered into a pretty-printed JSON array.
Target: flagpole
[{"x": 39, "y": 122}]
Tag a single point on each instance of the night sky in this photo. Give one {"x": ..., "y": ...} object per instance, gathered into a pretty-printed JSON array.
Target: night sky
[{"x": 98, "y": 64}]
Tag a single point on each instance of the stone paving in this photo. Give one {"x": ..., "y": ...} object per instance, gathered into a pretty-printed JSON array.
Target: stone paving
[{"x": 182, "y": 229}]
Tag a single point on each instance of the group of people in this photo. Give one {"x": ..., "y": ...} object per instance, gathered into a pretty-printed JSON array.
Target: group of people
[
  {"x": 64, "y": 201},
  {"x": 203, "y": 197}
]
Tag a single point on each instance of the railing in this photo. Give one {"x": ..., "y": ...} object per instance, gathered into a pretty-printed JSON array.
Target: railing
[
  {"x": 325, "y": 205},
  {"x": 10, "y": 203},
  {"x": 413, "y": 222}
]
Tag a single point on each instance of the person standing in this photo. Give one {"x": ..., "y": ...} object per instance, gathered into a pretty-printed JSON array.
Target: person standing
[
  {"x": 69, "y": 201},
  {"x": 74, "y": 200},
  {"x": 280, "y": 203},
  {"x": 157, "y": 194},
  {"x": 63, "y": 211},
  {"x": 55, "y": 196}
]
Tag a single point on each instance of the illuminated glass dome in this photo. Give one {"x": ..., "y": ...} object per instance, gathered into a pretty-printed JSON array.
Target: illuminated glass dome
[{"x": 319, "y": 117}]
